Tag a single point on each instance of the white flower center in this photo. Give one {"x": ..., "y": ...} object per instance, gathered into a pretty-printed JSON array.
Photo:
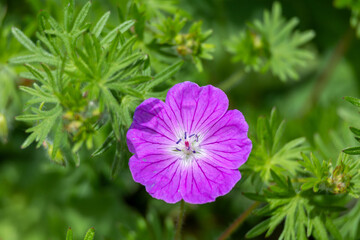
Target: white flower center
[{"x": 187, "y": 146}]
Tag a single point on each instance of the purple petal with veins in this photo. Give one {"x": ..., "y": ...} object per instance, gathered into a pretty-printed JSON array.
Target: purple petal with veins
[{"x": 189, "y": 147}]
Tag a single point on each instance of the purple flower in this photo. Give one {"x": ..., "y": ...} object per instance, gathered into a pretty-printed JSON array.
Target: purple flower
[{"x": 189, "y": 147}]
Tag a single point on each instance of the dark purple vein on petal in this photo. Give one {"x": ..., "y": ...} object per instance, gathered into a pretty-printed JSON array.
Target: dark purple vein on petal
[
  {"x": 207, "y": 179},
  {"x": 217, "y": 142},
  {"x": 172, "y": 163},
  {"x": 193, "y": 117},
  {"x": 155, "y": 131},
  {"x": 172, "y": 177},
  {"x": 158, "y": 116}
]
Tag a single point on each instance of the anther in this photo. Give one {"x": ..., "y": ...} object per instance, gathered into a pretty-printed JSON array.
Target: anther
[
  {"x": 178, "y": 141},
  {"x": 185, "y": 135},
  {"x": 191, "y": 135},
  {"x": 178, "y": 149}
]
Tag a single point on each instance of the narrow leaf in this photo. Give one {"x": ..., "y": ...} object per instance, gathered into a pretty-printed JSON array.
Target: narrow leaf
[
  {"x": 355, "y": 131},
  {"x": 69, "y": 14},
  {"x": 51, "y": 60},
  {"x": 353, "y": 100},
  {"x": 24, "y": 40},
  {"x": 164, "y": 75},
  {"x": 122, "y": 28},
  {"x": 101, "y": 24},
  {"x": 258, "y": 229},
  {"x": 352, "y": 151},
  {"x": 105, "y": 146},
  {"x": 330, "y": 226},
  {"x": 81, "y": 17}
]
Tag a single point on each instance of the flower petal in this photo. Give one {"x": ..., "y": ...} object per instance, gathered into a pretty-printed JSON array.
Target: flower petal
[
  {"x": 160, "y": 174},
  {"x": 203, "y": 182},
  {"x": 196, "y": 108},
  {"x": 226, "y": 143},
  {"x": 152, "y": 128}
]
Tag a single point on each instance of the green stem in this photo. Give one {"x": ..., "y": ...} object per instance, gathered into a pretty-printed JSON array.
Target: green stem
[
  {"x": 238, "y": 222},
  {"x": 232, "y": 81},
  {"x": 180, "y": 220}
]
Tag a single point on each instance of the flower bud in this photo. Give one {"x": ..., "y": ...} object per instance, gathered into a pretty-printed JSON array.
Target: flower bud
[{"x": 59, "y": 158}]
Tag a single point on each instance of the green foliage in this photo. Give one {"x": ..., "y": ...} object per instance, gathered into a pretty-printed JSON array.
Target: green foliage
[
  {"x": 302, "y": 216},
  {"x": 348, "y": 223},
  {"x": 272, "y": 45},
  {"x": 86, "y": 73},
  {"x": 343, "y": 178},
  {"x": 166, "y": 34},
  {"x": 191, "y": 44},
  {"x": 355, "y": 131},
  {"x": 89, "y": 78},
  {"x": 269, "y": 154},
  {"x": 304, "y": 195},
  {"x": 89, "y": 235}
]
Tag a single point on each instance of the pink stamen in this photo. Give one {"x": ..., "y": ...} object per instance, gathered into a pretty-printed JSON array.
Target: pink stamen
[{"x": 187, "y": 145}]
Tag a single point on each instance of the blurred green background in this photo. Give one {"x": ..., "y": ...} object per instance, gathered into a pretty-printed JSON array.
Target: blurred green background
[{"x": 40, "y": 200}]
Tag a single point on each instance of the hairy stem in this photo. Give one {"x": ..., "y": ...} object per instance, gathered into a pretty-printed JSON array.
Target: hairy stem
[
  {"x": 237, "y": 223},
  {"x": 180, "y": 220}
]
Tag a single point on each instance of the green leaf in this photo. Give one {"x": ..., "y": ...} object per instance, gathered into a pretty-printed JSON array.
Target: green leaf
[
  {"x": 119, "y": 65},
  {"x": 69, "y": 12},
  {"x": 42, "y": 129},
  {"x": 330, "y": 226},
  {"x": 50, "y": 60},
  {"x": 121, "y": 28},
  {"x": 125, "y": 90},
  {"x": 69, "y": 234},
  {"x": 309, "y": 184},
  {"x": 353, "y": 100},
  {"x": 109, "y": 141},
  {"x": 125, "y": 47},
  {"x": 41, "y": 96},
  {"x": 272, "y": 44},
  {"x": 53, "y": 23},
  {"x": 81, "y": 17},
  {"x": 164, "y": 75},
  {"x": 258, "y": 229},
  {"x": 24, "y": 40},
  {"x": 50, "y": 76},
  {"x": 355, "y": 131},
  {"x": 319, "y": 229},
  {"x": 90, "y": 234},
  {"x": 36, "y": 73},
  {"x": 278, "y": 135},
  {"x": 101, "y": 24},
  {"x": 352, "y": 151},
  {"x": 113, "y": 47},
  {"x": 278, "y": 180},
  {"x": 114, "y": 109},
  {"x": 119, "y": 157},
  {"x": 135, "y": 80}
]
